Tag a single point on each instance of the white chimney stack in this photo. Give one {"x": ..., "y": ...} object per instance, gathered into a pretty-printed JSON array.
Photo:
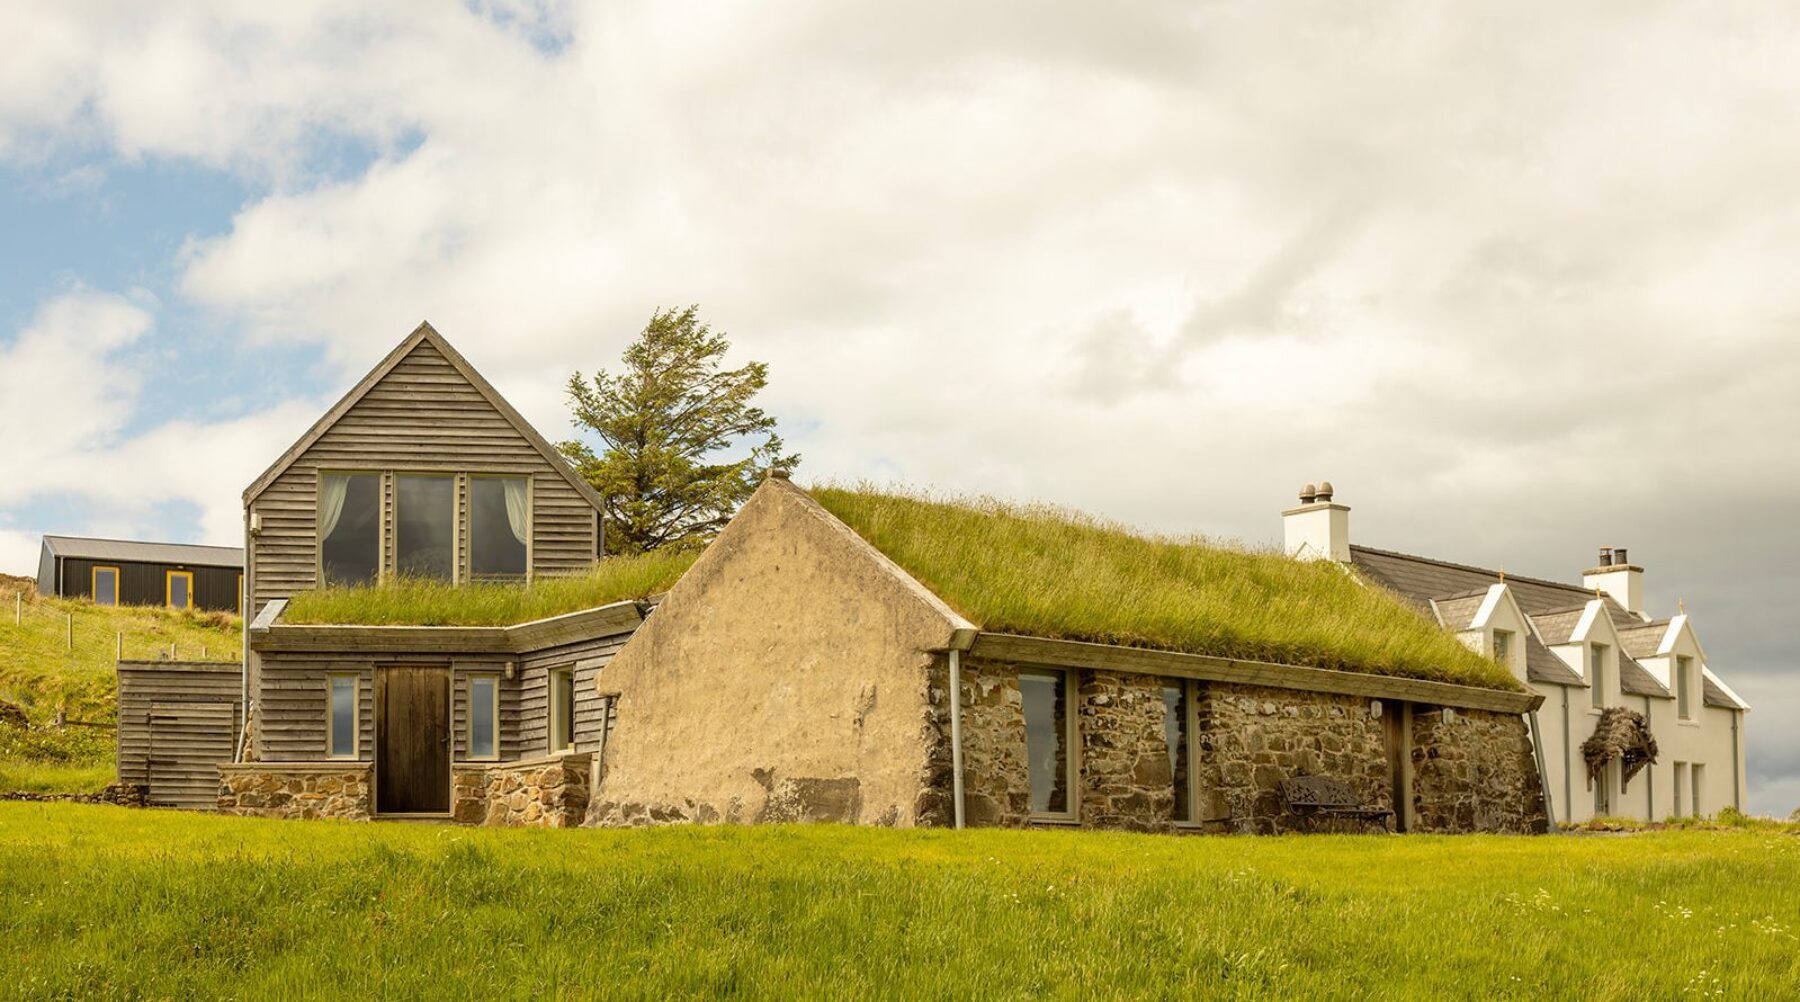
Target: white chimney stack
[
  {"x": 1319, "y": 529},
  {"x": 1617, "y": 576}
]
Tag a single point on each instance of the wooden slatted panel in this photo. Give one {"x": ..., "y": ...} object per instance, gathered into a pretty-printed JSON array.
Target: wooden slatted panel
[
  {"x": 532, "y": 726},
  {"x": 293, "y": 703},
  {"x": 188, "y": 742},
  {"x": 145, "y": 685},
  {"x": 425, "y": 417}
]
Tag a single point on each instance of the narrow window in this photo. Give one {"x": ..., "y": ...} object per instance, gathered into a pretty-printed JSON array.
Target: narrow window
[
  {"x": 346, "y": 692},
  {"x": 106, "y": 586},
  {"x": 178, "y": 589},
  {"x": 1175, "y": 734},
  {"x": 1602, "y": 802},
  {"x": 349, "y": 528},
  {"x": 1684, "y": 686},
  {"x": 484, "y": 716},
  {"x": 425, "y": 527},
  {"x": 1503, "y": 647},
  {"x": 1597, "y": 674},
  {"x": 562, "y": 709},
  {"x": 1698, "y": 771},
  {"x": 499, "y": 525},
  {"x": 1047, "y": 741},
  {"x": 1681, "y": 782}
]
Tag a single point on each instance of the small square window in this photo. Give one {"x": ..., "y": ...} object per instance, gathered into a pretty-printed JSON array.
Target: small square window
[
  {"x": 343, "y": 716},
  {"x": 1503, "y": 647},
  {"x": 562, "y": 709},
  {"x": 484, "y": 716}
]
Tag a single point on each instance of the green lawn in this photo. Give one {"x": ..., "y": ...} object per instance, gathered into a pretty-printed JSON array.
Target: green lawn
[{"x": 106, "y": 902}]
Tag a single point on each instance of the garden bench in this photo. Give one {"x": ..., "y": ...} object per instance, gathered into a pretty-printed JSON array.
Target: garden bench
[{"x": 1328, "y": 797}]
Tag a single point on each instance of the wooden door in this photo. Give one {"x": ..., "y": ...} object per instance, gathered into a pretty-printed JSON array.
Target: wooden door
[
  {"x": 1396, "y": 726},
  {"x": 412, "y": 740}
]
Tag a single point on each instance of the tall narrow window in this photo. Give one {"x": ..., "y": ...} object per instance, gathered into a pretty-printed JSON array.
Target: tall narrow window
[
  {"x": 1684, "y": 687},
  {"x": 1698, "y": 793},
  {"x": 1681, "y": 790},
  {"x": 1597, "y": 674},
  {"x": 1047, "y": 741},
  {"x": 1175, "y": 734},
  {"x": 346, "y": 691},
  {"x": 562, "y": 709},
  {"x": 178, "y": 589},
  {"x": 484, "y": 716},
  {"x": 425, "y": 527},
  {"x": 1503, "y": 647},
  {"x": 499, "y": 525},
  {"x": 349, "y": 528},
  {"x": 106, "y": 586}
]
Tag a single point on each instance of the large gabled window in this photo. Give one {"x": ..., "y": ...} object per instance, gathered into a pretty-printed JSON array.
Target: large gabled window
[
  {"x": 425, "y": 526},
  {"x": 499, "y": 526},
  {"x": 349, "y": 528}
]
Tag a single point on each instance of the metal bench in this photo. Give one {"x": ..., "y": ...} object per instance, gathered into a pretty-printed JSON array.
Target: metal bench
[{"x": 1314, "y": 797}]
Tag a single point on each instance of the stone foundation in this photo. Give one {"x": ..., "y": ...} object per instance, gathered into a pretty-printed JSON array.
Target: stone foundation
[
  {"x": 300, "y": 790},
  {"x": 534, "y": 793}
]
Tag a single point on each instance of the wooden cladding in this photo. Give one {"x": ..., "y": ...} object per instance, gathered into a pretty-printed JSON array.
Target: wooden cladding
[
  {"x": 423, "y": 417},
  {"x": 177, "y": 723}
]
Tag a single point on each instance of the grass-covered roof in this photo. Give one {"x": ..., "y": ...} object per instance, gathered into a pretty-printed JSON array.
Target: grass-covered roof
[
  {"x": 1051, "y": 572},
  {"x": 439, "y": 603}
]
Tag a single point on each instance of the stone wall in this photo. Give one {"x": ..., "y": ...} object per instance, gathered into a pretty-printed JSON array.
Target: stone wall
[
  {"x": 536, "y": 793},
  {"x": 1476, "y": 774},
  {"x": 313, "y": 790},
  {"x": 1475, "y": 771},
  {"x": 1250, "y": 738}
]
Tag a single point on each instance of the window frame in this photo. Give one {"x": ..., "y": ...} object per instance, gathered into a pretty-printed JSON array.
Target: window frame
[
  {"x": 1189, "y": 718},
  {"x": 1597, "y": 675},
  {"x": 457, "y": 513},
  {"x": 94, "y": 584},
  {"x": 355, "y": 680},
  {"x": 1684, "y": 685},
  {"x": 530, "y": 521},
  {"x": 1502, "y": 647},
  {"x": 553, "y": 707},
  {"x": 240, "y": 594},
  {"x": 469, "y": 722},
  {"x": 1071, "y": 747},
  {"x": 169, "y": 577},
  {"x": 381, "y": 524}
]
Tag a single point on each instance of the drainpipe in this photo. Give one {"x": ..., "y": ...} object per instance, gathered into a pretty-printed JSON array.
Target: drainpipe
[
  {"x": 1737, "y": 751},
  {"x": 1568, "y": 768},
  {"x": 1537, "y": 751},
  {"x": 1649, "y": 775},
  {"x": 960, "y": 641},
  {"x": 244, "y": 614}
]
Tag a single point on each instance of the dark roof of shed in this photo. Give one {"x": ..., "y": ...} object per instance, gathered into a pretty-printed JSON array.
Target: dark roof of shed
[{"x": 132, "y": 551}]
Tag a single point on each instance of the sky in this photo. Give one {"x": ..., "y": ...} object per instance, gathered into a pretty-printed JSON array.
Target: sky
[{"x": 1515, "y": 276}]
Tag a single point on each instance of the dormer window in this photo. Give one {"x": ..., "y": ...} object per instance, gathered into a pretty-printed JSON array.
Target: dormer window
[
  {"x": 1503, "y": 647},
  {"x": 425, "y": 527}
]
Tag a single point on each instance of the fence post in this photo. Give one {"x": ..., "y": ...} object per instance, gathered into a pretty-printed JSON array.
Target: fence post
[
  {"x": 19, "y": 608},
  {"x": 171, "y": 650},
  {"x": 69, "y": 620},
  {"x": 119, "y": 646},
  {"x": 203, "y": 652}
]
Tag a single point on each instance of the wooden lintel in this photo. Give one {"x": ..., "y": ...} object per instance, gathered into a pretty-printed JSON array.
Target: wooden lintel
[
  {"x": 524, "y": 638},
  {"x": 1079, "y": 654}
]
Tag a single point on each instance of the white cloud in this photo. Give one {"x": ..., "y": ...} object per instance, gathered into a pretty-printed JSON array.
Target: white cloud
[{"x": 1514, "y": 275}]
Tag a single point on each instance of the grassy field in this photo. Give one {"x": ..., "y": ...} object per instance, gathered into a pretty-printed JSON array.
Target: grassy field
[
  {"x": 58, "y": 654},
  {"x": 110, "y": 903},
  {"x": 439, "y": 603},
  {"x": 1050, "y": 572}
]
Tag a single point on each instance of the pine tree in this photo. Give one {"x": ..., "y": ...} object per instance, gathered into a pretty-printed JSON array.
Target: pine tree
[{"x": 670, "y": 421}]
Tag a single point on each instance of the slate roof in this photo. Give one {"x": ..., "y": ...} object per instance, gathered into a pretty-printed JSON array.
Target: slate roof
[
  {"x": 1636, "y": 680},
  {"x": 1642, "y": 640},
  {"x": 1559, "y": 627},
  {"x": 131, "y": 551},
  {"x": 1712, "y": 695}
]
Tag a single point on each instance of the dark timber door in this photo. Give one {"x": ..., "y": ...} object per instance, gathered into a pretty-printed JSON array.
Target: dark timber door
[{"x": 412, "y": 741}]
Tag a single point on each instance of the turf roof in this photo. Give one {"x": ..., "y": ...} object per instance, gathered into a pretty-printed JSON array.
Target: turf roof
[{"x": 1050, "y": 572}]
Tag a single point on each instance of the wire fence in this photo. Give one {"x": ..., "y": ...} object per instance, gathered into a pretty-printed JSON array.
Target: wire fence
[{"x": 79, "y": 635}]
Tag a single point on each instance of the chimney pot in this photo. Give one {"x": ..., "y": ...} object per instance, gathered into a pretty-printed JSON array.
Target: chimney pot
[
  {"x": 1619, "y": 557},
  {"x": 1325, "y": 491},
  {"x": 1308, "y": 494},
  {"x": 1605, "y": 557},
  {"x": 778, "y": 474}
]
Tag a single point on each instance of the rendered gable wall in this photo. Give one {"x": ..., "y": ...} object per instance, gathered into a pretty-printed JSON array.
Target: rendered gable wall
[{"x": 783, "y": 679}]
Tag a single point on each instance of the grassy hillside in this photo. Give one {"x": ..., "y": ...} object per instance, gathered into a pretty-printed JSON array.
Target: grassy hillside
[
  {"x": 114, "y": 903},
  {"x": 59, "y": 655},
  {"x": 438, "y": 603},
  {"x": 1055, "y": 573}
]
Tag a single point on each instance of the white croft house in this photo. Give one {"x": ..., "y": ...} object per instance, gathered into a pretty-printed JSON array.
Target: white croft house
[{"x": 1584, "y": 647}]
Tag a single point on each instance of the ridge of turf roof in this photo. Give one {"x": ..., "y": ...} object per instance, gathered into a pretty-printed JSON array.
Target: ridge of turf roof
[{"x": 1052, "y": 572}]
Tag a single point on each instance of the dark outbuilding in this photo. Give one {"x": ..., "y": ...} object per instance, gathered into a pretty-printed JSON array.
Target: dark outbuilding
[{"x": 125, "y": 572}]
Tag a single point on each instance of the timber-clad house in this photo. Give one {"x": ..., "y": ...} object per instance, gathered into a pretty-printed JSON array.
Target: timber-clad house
[{"x": 796, "y": 672}]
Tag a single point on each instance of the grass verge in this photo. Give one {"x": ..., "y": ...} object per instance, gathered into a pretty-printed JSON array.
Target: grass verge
[
  {"x": 1051, "y": 572},
  {"x": 439, "y": 603},
  {"x": 107, "y": 902}
]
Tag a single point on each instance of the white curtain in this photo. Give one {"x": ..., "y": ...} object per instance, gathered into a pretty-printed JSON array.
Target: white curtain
[
  {"x": 518, "y": 513},
  {"x": 332, "y": 490}
]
